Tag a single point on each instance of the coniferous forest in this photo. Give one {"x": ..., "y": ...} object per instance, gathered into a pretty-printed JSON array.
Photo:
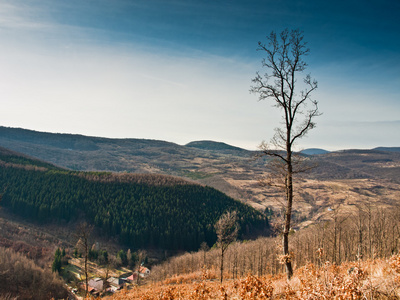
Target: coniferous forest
[{"x": 176, "y": 215}]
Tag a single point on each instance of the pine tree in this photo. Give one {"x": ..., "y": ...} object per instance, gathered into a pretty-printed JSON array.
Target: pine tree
[{"x": 56, "y": 266}]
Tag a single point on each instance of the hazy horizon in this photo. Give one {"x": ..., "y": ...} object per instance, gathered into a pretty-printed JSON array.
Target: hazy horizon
[{"x": 204, "y": 140}]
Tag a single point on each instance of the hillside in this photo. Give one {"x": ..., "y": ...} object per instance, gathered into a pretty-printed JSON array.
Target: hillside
[
  {"x": 142, "y": 210},
  {"x": 355, "y": 256},
  {"x": 21, "y": 278},
  {"x": 391, "y": 149},
  {"x": 314, "y": 151},
  {"x": 77, "y": 152},
  {"x": 217, "y": 146},
  {"x": 376, "y": 279},
  {"x": 345, "y": 178}
]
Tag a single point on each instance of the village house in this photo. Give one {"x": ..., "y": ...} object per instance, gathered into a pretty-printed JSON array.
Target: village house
[
  {"x": 91, "y": 290},
  {"x": 96, "y": 283},
  {"x": 116, "y": 283},
  {"x": 133, "y": 277},
  {"x": 144, "y": 272}
]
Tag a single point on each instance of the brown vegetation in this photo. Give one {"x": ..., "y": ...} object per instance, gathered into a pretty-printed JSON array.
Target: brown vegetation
[
  {"x": 371, "y": 279},
  {"x": 27, "y": 239},
  {"x": 353, "y": 256},
  {"x": 148, "y": 179},
  {"x": 365, "y": 233},
  {"x": 20, "y": 277}
]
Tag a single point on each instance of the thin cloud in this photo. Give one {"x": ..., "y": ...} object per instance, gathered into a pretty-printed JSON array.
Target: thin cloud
[
  {"x": 19, "y": 17},
  {"x": 117, "y": 70}
]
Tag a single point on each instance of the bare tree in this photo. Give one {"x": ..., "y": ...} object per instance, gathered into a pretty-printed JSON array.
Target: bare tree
[
  {"x": 284, "y": 61},
  {"x": 227, "y": 230},
  {"x": 141, "y": 256},
  {"x": 204, "y": 248},
  {"x": 83, "y": 232}
]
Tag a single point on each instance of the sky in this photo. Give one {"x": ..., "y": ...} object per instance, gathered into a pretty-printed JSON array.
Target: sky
[{"x": 181, "y": 70}]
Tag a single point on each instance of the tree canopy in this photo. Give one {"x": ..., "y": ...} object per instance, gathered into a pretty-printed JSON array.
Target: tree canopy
[{"x": 179, "y": 216}]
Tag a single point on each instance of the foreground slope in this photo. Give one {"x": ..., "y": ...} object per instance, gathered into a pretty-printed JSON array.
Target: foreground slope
[
  {"x": 376, "y": 279},
  {"x": 142, "y": 210}
]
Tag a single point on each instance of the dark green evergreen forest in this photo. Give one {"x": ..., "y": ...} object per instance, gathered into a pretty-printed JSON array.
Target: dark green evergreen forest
[{"x": 168, "y": 216}]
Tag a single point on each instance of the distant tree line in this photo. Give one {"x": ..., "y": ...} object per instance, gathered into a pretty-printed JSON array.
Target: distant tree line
[{"x": 169, "y": 216}]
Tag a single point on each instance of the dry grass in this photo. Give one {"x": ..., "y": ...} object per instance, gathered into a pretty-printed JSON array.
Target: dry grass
[{"x": 373, "y": 279}]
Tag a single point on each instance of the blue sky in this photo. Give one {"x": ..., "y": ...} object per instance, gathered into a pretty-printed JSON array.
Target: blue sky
[{"x": 181, "y": 70}]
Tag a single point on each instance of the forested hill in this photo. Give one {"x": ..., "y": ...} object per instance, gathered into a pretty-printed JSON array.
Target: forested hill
[
  {"x": 11, "y": 158},
  {"x": 173, "y": 214}
]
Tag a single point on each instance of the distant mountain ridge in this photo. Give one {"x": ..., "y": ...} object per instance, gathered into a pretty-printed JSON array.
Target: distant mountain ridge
[
  {"x": 215, "y": 146},
  {"x": 390, "y": 149},
  {"x": 78, "y": 152},
  {"x": 209, "y": 162},
  {"x": 68, "y": 141},
  {"x": 314, "y": 151}
]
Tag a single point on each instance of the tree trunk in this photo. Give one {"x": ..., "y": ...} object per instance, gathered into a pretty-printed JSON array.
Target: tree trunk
[
  {"x": 289, "y": 197},
  {"x": 86, "y": 274},
  {"x": 222, "y": 263}
]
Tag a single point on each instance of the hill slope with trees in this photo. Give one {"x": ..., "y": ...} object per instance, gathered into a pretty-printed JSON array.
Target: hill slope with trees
[
  {"x": 21, "y": 278},
  {"x": 170, "y": 214}
]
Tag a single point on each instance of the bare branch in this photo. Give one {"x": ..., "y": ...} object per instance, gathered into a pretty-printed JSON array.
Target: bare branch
[
  {"x": 264, "y": 147},
  {"x": 284, "y": 60}
]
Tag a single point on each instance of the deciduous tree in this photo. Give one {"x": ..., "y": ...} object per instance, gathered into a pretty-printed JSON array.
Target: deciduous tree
[
  {"x": 284, "y": 63},
  {"x": 226, "y": 229},
  {"x": 83, "y": 232}
]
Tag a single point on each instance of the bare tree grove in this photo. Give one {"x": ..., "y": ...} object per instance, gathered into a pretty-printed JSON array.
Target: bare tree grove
[
  {"x": 21, "y": 278},
  {"x": 347, "y": 237}
]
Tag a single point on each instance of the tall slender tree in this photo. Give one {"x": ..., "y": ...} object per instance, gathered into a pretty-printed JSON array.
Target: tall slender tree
[
  {"x": 226, "y": 229},
  {"x": 83, "y": 232},
  {"x": 56, "y": 266},
  {"x": 284, "y": 63}
]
